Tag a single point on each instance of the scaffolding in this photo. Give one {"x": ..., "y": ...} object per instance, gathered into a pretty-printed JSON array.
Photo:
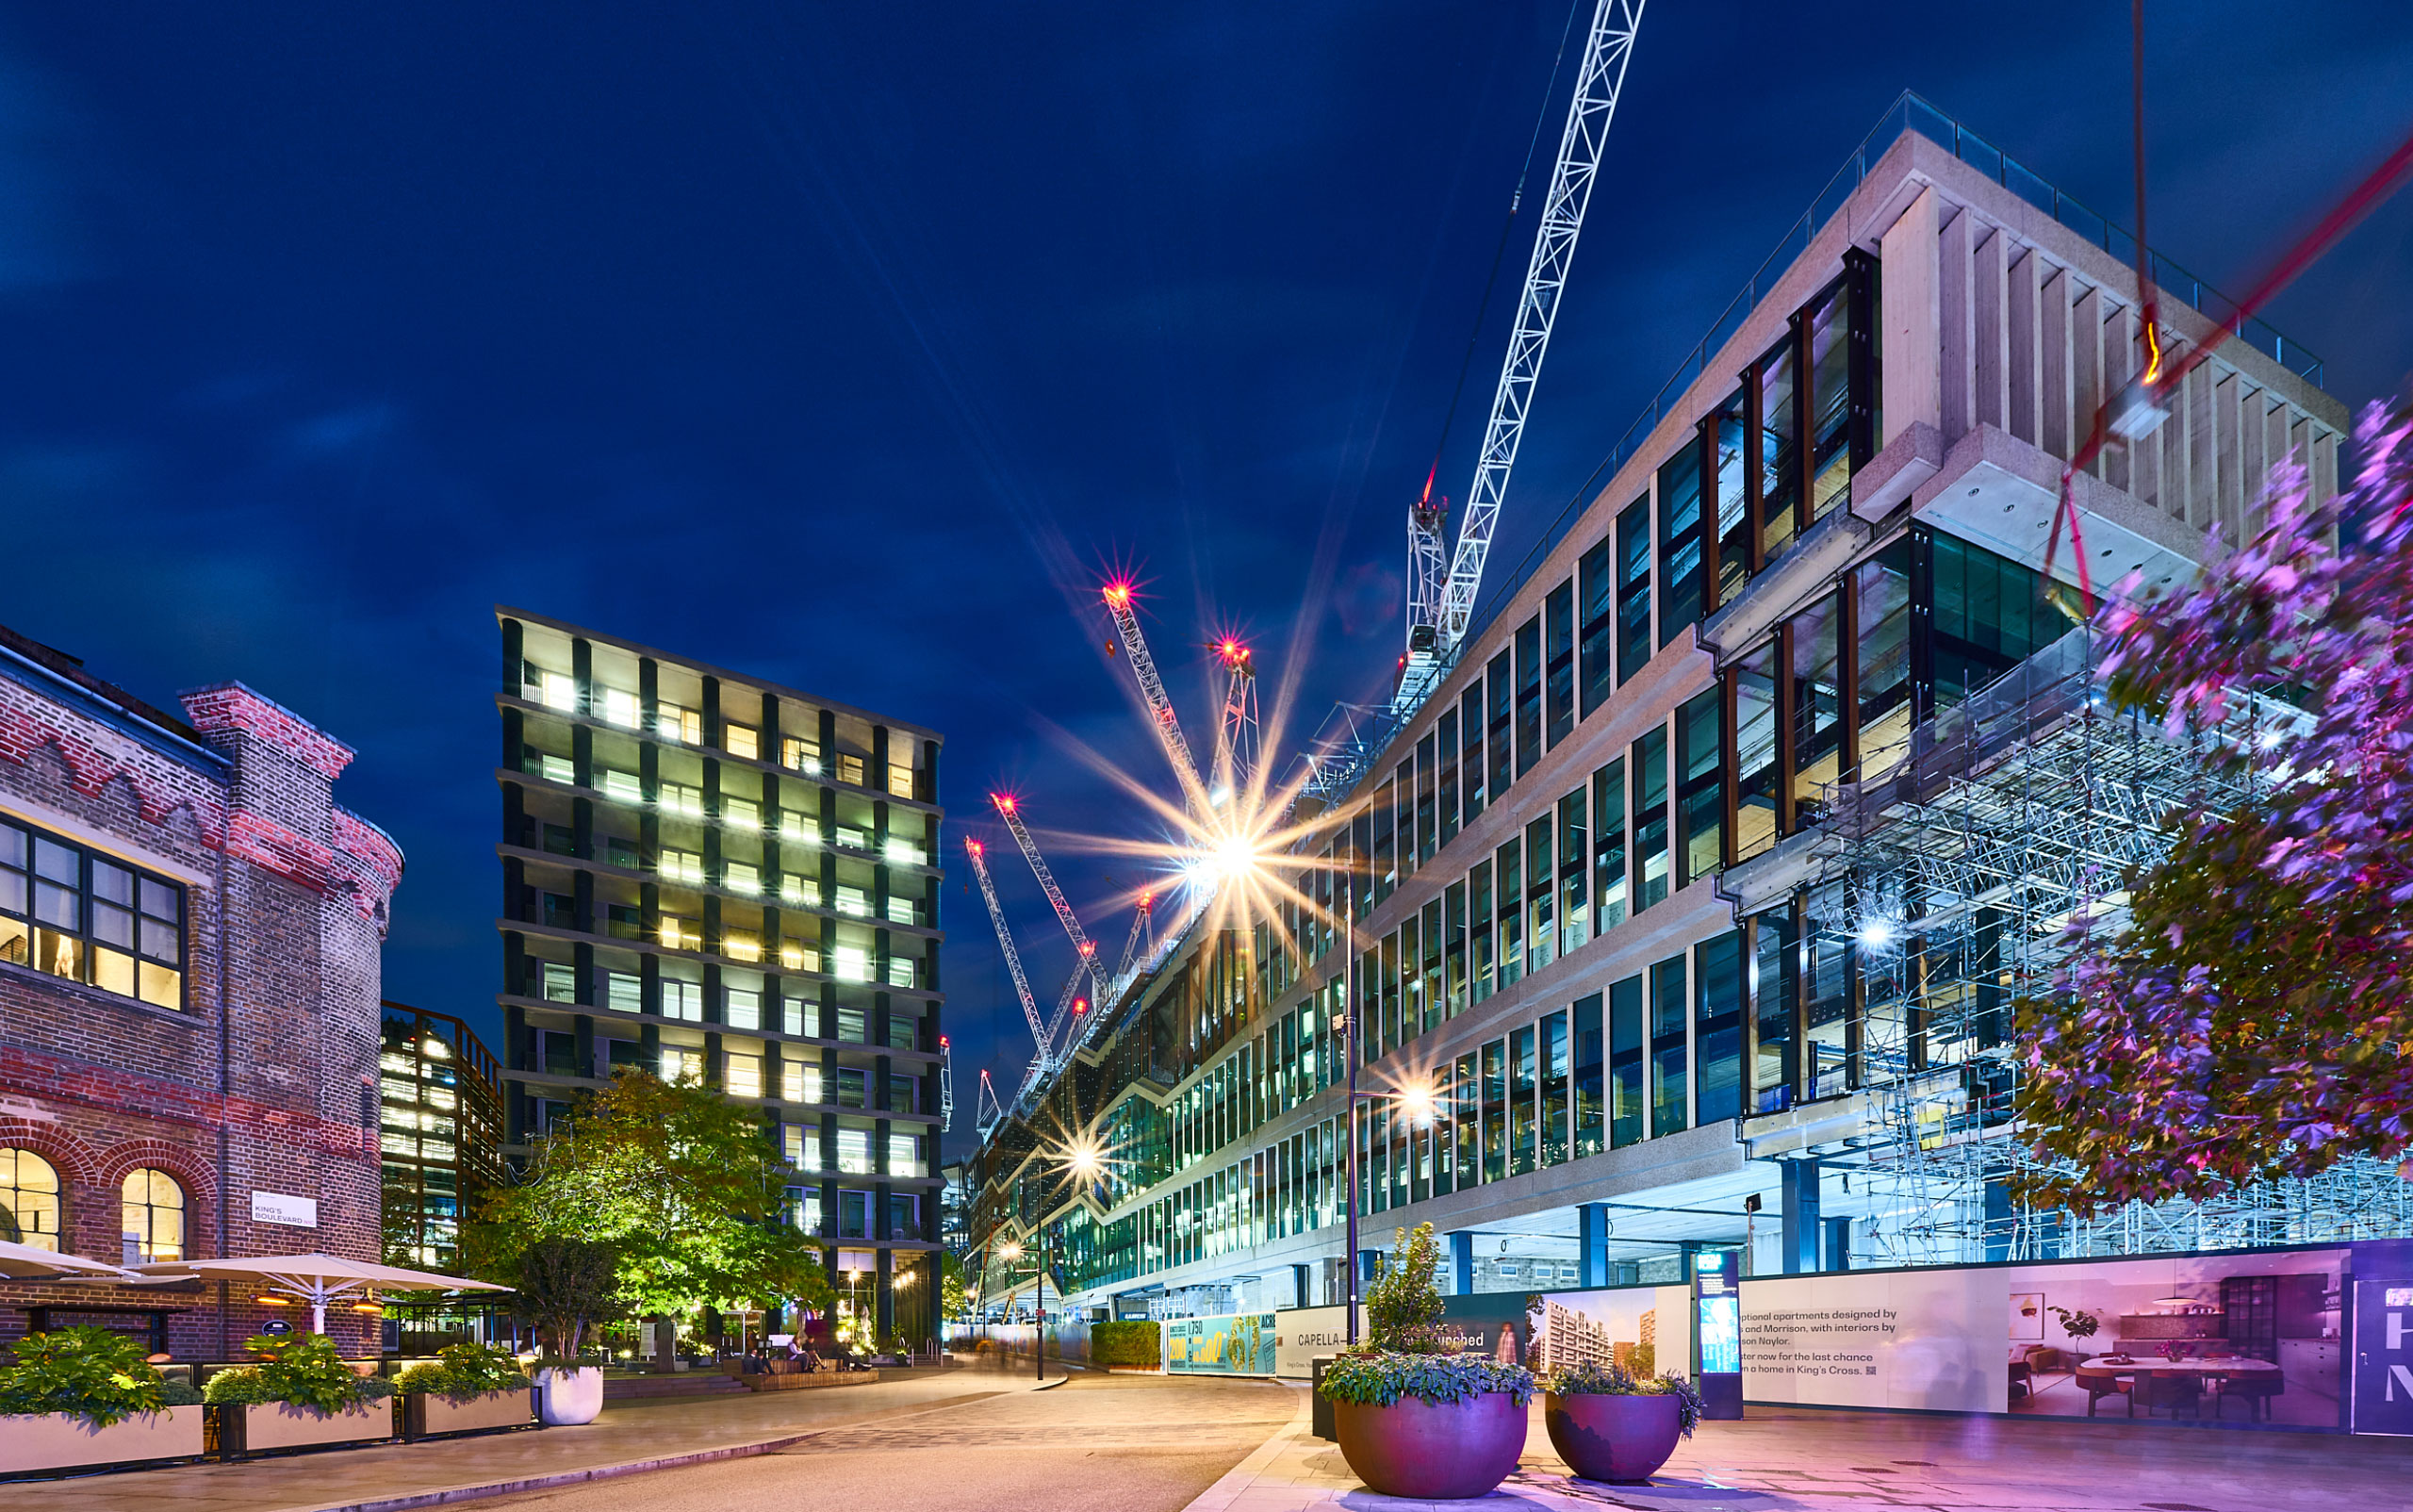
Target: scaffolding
[{"x": 1951, "y": 872}]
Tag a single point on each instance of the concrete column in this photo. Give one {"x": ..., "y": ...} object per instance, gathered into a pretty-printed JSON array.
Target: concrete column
[
  {"x": 2086, "y": 369},
  {"x": 1838, "y": 1243},
  {"x": 515, "y": 658},
  {"x": 1910, "y": 319},
  {"x": 1592, "y": 1244},
  {"x": 2021, "y": 347},
  {"x": 1956, "y": 375},
  {"x": 1299, "y": 1283},
  {"x": 1797, "y": 1191},
  {"x": 2053, "y": 363},
  {"x": 1462, "y": 1264},
  {"x": 1989, "y": 289}
]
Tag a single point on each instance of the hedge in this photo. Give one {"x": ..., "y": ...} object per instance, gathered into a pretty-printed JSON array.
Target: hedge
[{"x": 1132, "y": 1341}]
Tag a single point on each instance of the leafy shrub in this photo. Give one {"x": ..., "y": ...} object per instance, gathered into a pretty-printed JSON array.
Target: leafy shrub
[
  {"x": 89, "y": 1372},
  {"x": 463, "y": 1371},
  {"x": 178, "y": 1394},
  {"x": 303, "y": 1369},
  {"x": 1379, "y": 1378},
  {"x": 1615, "y": 1380},
  {"x": 1403, "y": 1306},
  {"x": 1130, "y": 1341}
]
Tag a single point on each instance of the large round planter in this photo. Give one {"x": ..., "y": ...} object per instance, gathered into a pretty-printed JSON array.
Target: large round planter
[
  {"x": 570, "y": 1397},
  {"x": 1621, "y": 1438},
  {"x": 1432, "y": 1451}
]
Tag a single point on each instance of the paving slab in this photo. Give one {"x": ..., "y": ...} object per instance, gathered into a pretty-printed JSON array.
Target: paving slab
[
  {"x": 1802, "y": 1460},
  {"x": 630, "y": 1437}
]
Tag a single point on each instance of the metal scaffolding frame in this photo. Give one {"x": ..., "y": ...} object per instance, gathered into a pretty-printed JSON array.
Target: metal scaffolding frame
[{"x": 1951, "y": 871}]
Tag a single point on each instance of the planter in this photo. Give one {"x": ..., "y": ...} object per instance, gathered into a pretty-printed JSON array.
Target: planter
[
  {"x": 1619, "y": 1439},
  {"x": 1432, "y": 1451},
  {"x": 569, "y": 1397},
  {"x": 58, "y": 1440},
  {"x": 426, "y": 1414},
  {"x": 256, "y": 1427}
]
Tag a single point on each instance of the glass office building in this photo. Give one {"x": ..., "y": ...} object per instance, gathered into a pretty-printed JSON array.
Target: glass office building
[{"x": 1581, "y": 894}]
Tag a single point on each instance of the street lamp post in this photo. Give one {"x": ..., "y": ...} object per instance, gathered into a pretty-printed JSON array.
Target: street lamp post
[
  {"x": 1082, "y": 1160},
  {"x": 1349, "y": 1049}
]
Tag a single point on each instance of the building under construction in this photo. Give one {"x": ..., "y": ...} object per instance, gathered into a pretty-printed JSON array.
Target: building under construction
[{"x": 1682, "y": 900}]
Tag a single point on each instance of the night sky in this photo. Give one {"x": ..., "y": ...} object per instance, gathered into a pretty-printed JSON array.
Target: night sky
[{"x": 852, "y": 346}]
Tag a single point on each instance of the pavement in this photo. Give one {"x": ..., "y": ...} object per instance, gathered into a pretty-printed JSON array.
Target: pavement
[
  {"x": 1802, "y": 1460},
  {"x": 630, "y": 1437}
]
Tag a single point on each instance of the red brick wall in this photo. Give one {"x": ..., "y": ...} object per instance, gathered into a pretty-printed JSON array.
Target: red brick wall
[{"x": 266, "y": 1093}]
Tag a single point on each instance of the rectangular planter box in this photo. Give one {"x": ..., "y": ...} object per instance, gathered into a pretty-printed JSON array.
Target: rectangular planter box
[
  {"x": 253, "y": 1428},
  {"x": 426, "y": 1414},
  {"x": 55, "y": 1441}
]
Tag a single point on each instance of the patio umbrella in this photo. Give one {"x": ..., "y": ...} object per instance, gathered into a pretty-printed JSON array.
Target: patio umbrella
[
  {"x": 24, "y": 1263},
  {"x": 318, "y": 1279}
]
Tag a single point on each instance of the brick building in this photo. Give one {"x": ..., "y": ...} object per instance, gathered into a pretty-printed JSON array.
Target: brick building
[{"x": 189, "y": 936}]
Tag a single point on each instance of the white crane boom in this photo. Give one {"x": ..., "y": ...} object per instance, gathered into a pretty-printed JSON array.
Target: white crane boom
[
  {"x": 1236, "y": 727},
  {"x": 947, "y": 1085},
  {"x": 987, "y": 1110},
  {"x": 1005, "y": 944},
  {"x": 1152, "y": 690},
  {"x": 1598, "y": 84}
]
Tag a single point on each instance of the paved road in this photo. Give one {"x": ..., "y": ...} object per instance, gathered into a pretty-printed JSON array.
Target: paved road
[{"x": 1117, "y": 1443}]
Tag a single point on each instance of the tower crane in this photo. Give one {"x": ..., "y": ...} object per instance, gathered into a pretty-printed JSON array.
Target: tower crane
[
  {"x": 1152, "y": 690},
  {"x": 1013, "y": 959},
  {"x": 1438, "y": 614},
  {"x": 988, "y": 1109},
  {"x": 947, "y": 1085},
  {"x": 1236, "y": 727}
]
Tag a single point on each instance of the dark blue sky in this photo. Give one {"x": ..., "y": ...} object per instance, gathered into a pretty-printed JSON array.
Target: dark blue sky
[{"x": 847, "y": 345}]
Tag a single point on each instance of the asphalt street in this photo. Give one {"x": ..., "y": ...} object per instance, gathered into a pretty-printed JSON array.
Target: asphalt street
[{"x": 1098, "y": 1443}]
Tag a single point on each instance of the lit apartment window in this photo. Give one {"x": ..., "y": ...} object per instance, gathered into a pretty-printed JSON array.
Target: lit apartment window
[
  {"x": 906, "y": 853},
  {"x": 682, "y": 999},
  {"x": 682, "y": 797},
  {"x": 797, "y": 956},
  {"x": 793, "y": 1010},
  {"x": 900, "y": 781},
  {"x": 741, "y": 944},
  {"x": 742, "y": 813},
  {"x": 741, "y": 740},
  {"x": 561, "y": 982},
  {"x": 680, "y": 1064},
  {"x": 801, "y": 891},
  {"x": 850, "y": 1025},
  {"x": 738, "y": 877},
  {"x": 621, "y": 785},
  {"x": 799, "y": 1082},
  {"x": 555, "y": 768},
  {"x": 904, "y": 1031},
  {"x": 851, "y": 964},
  {"x": 681, "y": 867},
  {"x": 557, "y": 690},
  {"x": 904, "y": 1155},
  {"x": 853, "y": 900},
  {"x": 76, "y": 915},
  {"x": 904, "y": 971},
  {"x": 671, "y": 722},
  {"x": 799, "y": 1144},
  {"x": 743, "y": 1009},
  {"x": 800, "y": 828},
  {"x": 850, "y": 769},
  {"x": 804, "y": 1202},
  {"x": 904, "y": 910},
  {"x": 854, "y": 1152},
  {"x": 742, "y": 1074},
  {"x": 800, "y": 754},
  {"x": 857, "y": 839},
  {"x": 620, "y": 708}
]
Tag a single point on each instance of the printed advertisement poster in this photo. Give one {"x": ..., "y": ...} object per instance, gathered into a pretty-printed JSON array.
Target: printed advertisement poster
[
  {"x": 1644, "y": 1328},
  {"x": 1301, "y": 1334},
  {"x": 1241, "y": 1345},
  {"x": 2236, "y": 1338}
]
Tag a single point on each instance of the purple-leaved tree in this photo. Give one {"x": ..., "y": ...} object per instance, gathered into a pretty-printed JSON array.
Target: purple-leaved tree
[{"x": 2251, "y": 1020}]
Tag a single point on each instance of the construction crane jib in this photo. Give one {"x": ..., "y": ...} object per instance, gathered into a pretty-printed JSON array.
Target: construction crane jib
[
  {"x": 1439, "y": 622},
  {"x": 1012, "y": 813},
  {"x": 1005, "y": 944},
  {"x": 1152, "y": 690}
]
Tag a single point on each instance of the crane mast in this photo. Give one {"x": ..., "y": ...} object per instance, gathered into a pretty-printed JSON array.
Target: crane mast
[
  {"x": 1599, "y": 79},
  {"x": 1152, "y": 690}
]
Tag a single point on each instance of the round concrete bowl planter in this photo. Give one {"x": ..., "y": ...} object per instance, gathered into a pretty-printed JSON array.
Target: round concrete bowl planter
[
  {"x": 1432, "y": 1451},
  {"x": 1622, "y": 1440},
  {"x": 64, "y": 1441},
  {"x": 571, "y": 1396}
]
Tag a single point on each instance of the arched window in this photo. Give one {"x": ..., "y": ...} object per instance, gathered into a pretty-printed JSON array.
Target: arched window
[
  {"x": 28, "y": 1199},
  {"x": 154, "y": 1228}
]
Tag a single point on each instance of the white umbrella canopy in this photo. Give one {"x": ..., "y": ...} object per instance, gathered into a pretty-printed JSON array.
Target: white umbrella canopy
[
  {"x": 27, "y": 1262},
  {"x": 318, "y": 1279}
]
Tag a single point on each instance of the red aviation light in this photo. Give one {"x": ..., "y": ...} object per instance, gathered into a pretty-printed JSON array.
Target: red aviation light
[
  {"x": 1004, "y": 801},
  {"x": 972, "y": 845},
  {"x": 1119, "y": 595},
  {"x": 1080, "y": 1005}
]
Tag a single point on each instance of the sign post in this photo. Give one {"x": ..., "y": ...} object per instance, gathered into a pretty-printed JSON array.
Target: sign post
[{"x": 1717, "y": 1333}]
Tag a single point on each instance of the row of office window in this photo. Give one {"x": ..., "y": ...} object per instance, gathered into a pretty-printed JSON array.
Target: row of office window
[
  {"x": 854, "y": 1151},
  {"x": 763, "y": 1008},
  {"x": 856, "y": 1213},
  {"x": 626, "y": 710},
  {"x": 78, "y": 914},
  {"x": 685, "y": 800}
]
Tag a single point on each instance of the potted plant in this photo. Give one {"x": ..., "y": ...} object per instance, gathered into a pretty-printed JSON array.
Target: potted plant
[
  {"x": 1610, "y": 1425},
  {"x": 80, "y": 1397},
  {"x": 2079, "y": 1324},
  {"x": 1417, "y": 1418},
  {"x": 566, "y": 1287},
  {"x": 302, "y": 1395},
  {"x": 468, "y": 1387}
]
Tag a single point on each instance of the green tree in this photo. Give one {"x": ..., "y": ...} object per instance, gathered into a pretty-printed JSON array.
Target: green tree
[
  {"x": 1403, "y": 1306},
  {"x": 955, "y": 1297},
  {"x": 682, "y": 1184}
]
